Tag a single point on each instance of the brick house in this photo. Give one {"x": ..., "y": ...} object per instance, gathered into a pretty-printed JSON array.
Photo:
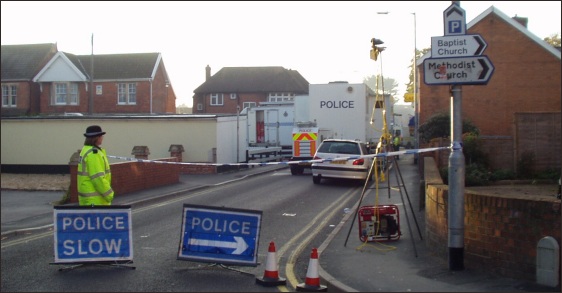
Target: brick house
[
  {"x": 518, "y": 111},
  {"x": 20, "y": 63},
  {"x": 242, "y": 87},
  {"x": 123, "y": 83}
]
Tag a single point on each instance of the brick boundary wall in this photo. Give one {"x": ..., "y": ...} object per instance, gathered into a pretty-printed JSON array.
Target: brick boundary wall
[
  {"x": 501, "y": 233},
  {"x": 197, "y": 169},
  {"x": 133, "y": 176}
]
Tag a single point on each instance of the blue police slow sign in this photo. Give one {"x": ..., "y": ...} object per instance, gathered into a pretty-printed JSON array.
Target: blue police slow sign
[
  {"x": 93, "y": 234},
  {"x": 219, "y": 235}
]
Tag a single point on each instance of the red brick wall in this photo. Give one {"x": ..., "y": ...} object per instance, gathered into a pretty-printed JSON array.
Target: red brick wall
[
  {"x": 538, "y": 133},
  {"x": 526, "y": 79},
  {"x": 500, "y": 233},
  {"x": 134, "y": 176},
  {"x": 198, "y": 169},
  {"x": 24, "y": 99},
  {"x": 163, "y": 98},
  {"x": 229, "y": 106}
]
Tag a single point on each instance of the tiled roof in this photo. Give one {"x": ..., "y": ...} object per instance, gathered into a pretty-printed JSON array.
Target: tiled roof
[
  {"x": 22, "y": 62},
  {"x": 118, "y": 66},
  {"x": 254, "y": 79}
]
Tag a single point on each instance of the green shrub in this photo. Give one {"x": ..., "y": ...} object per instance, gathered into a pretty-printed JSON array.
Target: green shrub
[
  {"x": 439, "y": 125},
  {"x": 525, "y": 165},
  {"x": 475, "y": 175},
  {"x": 444, "y": 172},
  {"x": 502, "y": 174},
  {"x": 549, "y": 174}
]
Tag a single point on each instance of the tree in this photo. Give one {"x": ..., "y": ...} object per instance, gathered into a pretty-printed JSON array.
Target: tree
[
  {"x": 410, "y": 84},
  {"x": 553, "y": 40},
  {"x": 389, "y": 85}
]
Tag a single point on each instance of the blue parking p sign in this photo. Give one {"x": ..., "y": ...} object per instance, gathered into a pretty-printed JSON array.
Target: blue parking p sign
[
  {"x": 454, "y": 18},
  {"x": 219, "y": 235}
]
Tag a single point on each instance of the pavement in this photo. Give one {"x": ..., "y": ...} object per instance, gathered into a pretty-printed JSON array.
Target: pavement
[{"x": 346, "y": 264}]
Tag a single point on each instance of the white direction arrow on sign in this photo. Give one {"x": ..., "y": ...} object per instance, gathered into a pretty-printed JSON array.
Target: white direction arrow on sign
[
  {"x": 462, "y": 70},
  {"x": 457, "y": 46},
  {"x": 240, "y": 245}
]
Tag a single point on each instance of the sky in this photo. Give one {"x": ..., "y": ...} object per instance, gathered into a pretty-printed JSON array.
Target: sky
[{"x": 323, "y": 40}]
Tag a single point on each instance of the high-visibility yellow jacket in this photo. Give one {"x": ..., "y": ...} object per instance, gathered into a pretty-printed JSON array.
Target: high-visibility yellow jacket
[{"x": 94, "y": 177}]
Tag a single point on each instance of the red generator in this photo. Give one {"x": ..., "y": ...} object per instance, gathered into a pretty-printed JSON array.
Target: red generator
[{"x": 379, "y": 223}]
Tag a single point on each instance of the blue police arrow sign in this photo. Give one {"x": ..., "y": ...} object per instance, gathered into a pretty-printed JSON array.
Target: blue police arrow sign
[
  {"x": 219, "y": 235},
  {"x": 462, "y": 70},
  {"x": 457, "y": 46}
]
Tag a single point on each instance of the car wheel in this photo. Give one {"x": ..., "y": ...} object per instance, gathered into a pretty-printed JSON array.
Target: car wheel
[
  {"x": 297, "y": 170},
  {"x": 316, "y": 179}
]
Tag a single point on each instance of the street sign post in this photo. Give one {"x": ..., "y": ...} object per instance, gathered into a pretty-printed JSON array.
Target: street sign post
[
  {"x": 462, "y": 70},
  {"x": 457, "y": 46},
  {"x": 219, "y": 235}
]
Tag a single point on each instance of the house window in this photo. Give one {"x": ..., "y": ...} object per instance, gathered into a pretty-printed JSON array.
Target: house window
[
  {"x": 9, "y": 95},
  {"x": 248, "y": 105},
  {"x": 65, "y": 93},
  {"x": 126, "y": 94},
  {"x": 233, "y": 96},
  {"x": 281, "y": 97},
  {"x": 217, "y": 100},
  {"x": 199, "y": 107}
]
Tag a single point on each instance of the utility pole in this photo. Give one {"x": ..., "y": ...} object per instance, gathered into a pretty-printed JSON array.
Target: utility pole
[
  {"x": 456, "y": 173},
  {"x": 91, "y": 101}
]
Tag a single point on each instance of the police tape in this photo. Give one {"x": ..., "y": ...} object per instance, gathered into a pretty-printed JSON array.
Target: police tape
[{"x": 379, "y": 155}]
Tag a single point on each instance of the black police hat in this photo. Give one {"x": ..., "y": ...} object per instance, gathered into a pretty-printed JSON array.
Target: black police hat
[{"x": 93, "y": 131}]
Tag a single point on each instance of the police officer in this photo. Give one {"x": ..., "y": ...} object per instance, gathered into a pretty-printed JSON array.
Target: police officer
[
  {"x": 396, "y": 143},
  {"x": 94, "y": 174}
]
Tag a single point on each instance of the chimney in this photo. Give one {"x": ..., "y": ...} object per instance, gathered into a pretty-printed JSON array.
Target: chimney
[
  {"x": 522, "y": 20},
  {"x": 207, "y": 72}
]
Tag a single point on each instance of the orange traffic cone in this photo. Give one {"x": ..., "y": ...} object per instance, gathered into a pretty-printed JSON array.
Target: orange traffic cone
[
  {"x": 312, "y": 282},
  {"x": 271, "y": 274}
]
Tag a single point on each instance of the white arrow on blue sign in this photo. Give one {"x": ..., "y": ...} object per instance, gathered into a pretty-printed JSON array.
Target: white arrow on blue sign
[
  {"x": 219, "y": 235},
  {"x": 457, "y": 46},
  {"x": 461, "y": 70},
  {"x": 238, "y": 244}
]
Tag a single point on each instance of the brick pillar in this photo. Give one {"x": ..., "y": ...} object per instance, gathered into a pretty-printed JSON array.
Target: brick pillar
[
  {"x": 73, "y": 165},
  {"x": 176, "y": 151},
  {"x": 141, "y": 152}
]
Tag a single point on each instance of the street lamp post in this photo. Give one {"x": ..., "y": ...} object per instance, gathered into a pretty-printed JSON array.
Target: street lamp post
[{"x": 416, "y": 99}]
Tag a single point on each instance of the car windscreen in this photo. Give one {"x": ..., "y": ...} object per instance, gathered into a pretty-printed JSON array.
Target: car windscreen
[{"x": 337, "y": 147}]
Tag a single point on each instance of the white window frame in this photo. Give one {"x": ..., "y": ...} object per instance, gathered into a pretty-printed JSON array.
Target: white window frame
[
  {"x": 199, "y": 107},
  {"x": 249, "y": 105},
  {"x": 233, "y": 96},
  {"x": 65, "y": 93},
  {"x": 126, "y": 93},
  {"x": 9, "y": 96},
  {"x": 217, "y": 99},
  {"x": 281, "y": 97}
]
